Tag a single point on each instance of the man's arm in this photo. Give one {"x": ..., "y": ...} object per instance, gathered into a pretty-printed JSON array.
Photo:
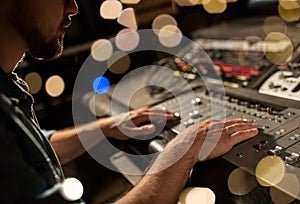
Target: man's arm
[
  {"x": 170, "y": 171},
  {"x": 67, "y": 142}
]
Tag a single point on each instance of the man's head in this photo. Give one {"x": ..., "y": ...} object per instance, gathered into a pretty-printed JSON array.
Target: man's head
[{"x": 42, "y": 24}]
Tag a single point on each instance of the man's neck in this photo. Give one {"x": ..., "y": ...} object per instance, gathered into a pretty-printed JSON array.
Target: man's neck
[{"x": 12, "y": 48}]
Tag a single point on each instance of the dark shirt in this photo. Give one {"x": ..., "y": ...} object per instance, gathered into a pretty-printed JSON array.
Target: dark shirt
[{"x": 30, "y": 171}]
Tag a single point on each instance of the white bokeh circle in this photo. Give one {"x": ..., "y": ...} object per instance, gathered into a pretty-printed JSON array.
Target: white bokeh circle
[{"x": 187, "y": 50}]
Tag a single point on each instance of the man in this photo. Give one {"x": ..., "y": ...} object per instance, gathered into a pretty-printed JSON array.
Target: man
[{"x": 30, "y": 171}]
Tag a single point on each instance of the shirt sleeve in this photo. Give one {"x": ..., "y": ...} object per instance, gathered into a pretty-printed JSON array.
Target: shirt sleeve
[
  {"x": 48, "y": 133},
  {"x": 20, "y": 180}
]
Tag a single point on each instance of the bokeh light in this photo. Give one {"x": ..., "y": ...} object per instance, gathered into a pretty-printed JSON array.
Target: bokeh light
[
  {"x": 278, "y": 48},
  {"x": 170, "y": 36},
  {"x": 270, "y": 171},
  {"x": 197, "y": 195},
  {"x": 101, "y": 85},
  {"x": 110, "y": 9},
  {"x": 289, "y": 4},
  {"x": 163, "y": 20},
  {"x": 187, "y": 2},
  {"x": 34, "y": 81},
  {"x": 256, "y": 48},
  {"x": 274, "y": 24},
  {"x": 101, "y": 50},
  {"x": 100, "y": 105},
  {"x": 55, "y": 86},
  {"x": 130, "y": 1},
  {"x": 204, "y": 1},
  {"x": 127, "y": 18},
  {"x": 127, "y": 39},
  {"x": 119, "y": 62},
  {"x": 215, "y": 6},
  {"x": 71, "y": 189},
  {"x": 286, "y": 191},
  {"x": 289, "y": 10},
  {"x": 240, "y": 182}
]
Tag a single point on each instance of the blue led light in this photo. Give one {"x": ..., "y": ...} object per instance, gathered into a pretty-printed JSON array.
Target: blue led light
[{"x": 101, "y": 85}]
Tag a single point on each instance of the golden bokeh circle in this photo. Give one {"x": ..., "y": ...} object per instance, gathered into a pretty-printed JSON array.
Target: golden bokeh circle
[
  {"x": 287, "y": 190},
  {"x": 278, "y": 48},
  {"x": 215, "y": 6},
  {"x": 34, "y": 81},
  {"x": 270, "y": 171},
  {"x": 240, "y": 182},
  {"x": 119, "y": 62}
]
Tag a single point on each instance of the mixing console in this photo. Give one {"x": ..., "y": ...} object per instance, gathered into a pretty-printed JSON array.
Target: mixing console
[
  {"x": 254, "y": 89},
  {"x": 279, "y": 133},
  {"x": 278, "y": 122}
]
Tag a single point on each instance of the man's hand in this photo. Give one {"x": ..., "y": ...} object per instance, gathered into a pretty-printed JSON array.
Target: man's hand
[
  {"x": 134, "y": 123},
  {"x": 171, "y": 168},
  {"x": 215, "y": 138}
]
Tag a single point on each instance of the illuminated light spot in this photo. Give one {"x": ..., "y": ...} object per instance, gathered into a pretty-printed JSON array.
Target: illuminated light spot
[
  {"x": 187, "y": 2},
  {"x": 110, "y": 9},
  {"x": 270, "y": 171},
  {"x": 241, "y": 182},
  {"x": 274, "y": 24},
  {"x": 289, "y": 4},
  {"x": 162, "y": 20},
  {"x": 127, "y": 39},
  {"x": 256, "y": 49},
  {"x": 245, "y": 83},
  {"x": 34, "y": 81},
  {"x": 101, "y": 85},
  {"x": 215, "y": 6},
  {"x": 55, "y": 86},
  {"x": 170, "y": 36},
  {"x": 287, "y": 189},
  {"x": 130, "y": 1},
  {"x": 100, "y": 105},
  {"x": 204, "y": 1},
  {"x": 101, "y": 50},
  {"x": 127, "y": 18},
  {"x": 193, "y": 195},
  {"x": 71, "y": 189},
  {"x": 119, "y": 62},
  {"x": 289, "y": 11},
  {"x": 278, "y": 48}
]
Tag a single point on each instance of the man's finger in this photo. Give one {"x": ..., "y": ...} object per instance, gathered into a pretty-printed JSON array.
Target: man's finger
[
  {"x": 243, "y": 135},
  {"x": 229, "y": 130},
  {"x": 143, "y": 130}
]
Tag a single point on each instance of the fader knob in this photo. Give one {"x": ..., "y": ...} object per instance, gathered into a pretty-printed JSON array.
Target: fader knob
[
  {"x": 261, "y": 144},
  {"x": 196, "y": 101},
  {"x": 292, "y": 158},
  {"x": 195, "y": 114},
  {"x": 276, "y": 151},
  {"x": 188, "y": 123}
]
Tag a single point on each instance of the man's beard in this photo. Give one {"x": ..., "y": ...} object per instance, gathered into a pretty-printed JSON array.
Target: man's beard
[
  {"x": 40, "y": 46},
  {"x": 40, "y": 49}
]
